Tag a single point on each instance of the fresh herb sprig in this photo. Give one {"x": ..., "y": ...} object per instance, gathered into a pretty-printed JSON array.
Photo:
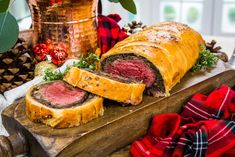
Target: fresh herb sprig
[
  {"x": 89, "y": 62},
  {"x": 206, "y": 60},
  {"x": 53, "y": 75}
]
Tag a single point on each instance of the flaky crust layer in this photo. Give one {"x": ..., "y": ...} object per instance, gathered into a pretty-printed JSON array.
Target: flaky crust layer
[
  {"x": 172, "y": 47},
  {"x": 130, "y": 93},
  {"x": 65, "y": 117}
]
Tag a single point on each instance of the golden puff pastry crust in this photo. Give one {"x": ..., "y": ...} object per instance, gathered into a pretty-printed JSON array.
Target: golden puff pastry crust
[
  {"x": 171, "y": 47},
  {"x": 99, "y": 84},
  {"x": 63, "y": 117}
]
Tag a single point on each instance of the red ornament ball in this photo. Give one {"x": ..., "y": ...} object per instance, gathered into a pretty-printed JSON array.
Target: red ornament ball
[
  {"x": 41, "y": 51},
  {"x": 50, "y": 44},
  {"x": 59, "y": 55}
]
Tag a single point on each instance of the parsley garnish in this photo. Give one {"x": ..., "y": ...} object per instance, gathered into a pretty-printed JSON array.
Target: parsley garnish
[
  {"x": 53, "y": 75},
  {"x": 206, "y": 60},
  {"x": 88, "y": 62}
]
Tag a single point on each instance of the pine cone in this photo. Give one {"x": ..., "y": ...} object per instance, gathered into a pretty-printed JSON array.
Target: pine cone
[
  {"x": 133, "y": 27},
  {"x": 16, "y": 66},
  {"x": 217, "y": 50}
]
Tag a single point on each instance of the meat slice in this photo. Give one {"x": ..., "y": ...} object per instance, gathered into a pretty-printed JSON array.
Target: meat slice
[
  {"x": 132, "y": 68},
  {"x": 60, "y": 105},
  {"x": 106, "y": 85},
  {"x": 136, "y": 68},
  {"x": 59, "y": 94}
]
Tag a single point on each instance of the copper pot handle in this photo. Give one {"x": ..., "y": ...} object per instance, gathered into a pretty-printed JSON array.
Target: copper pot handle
[{"x": 13, "y": 145}]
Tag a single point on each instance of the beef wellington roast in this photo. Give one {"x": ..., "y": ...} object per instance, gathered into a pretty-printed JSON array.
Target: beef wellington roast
[
  {"x": 106, "y": 85},
  {"x": 60, "y": 105},
  {"x": 159, "y": 56}
]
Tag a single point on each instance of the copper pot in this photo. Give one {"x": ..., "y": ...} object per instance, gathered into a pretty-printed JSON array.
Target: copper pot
[{"x": 71, "y": 23}]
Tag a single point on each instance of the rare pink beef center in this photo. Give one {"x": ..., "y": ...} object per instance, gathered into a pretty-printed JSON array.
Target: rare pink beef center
[
  {"x": 59, "y": 94},
  {"x": 133, "y": 69}
]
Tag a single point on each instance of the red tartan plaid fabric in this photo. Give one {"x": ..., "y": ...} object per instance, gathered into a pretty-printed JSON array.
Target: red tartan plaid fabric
[
  {"x": 109, "y": 32},
  {"x": 205, "y": 127}
]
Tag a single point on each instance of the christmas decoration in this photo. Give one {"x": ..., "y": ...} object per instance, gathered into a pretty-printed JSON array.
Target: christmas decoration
[
  {"x": 59, "y": 55},
  {"x": 50, "y": 44},
  {"x": 41, "y": 51},
  {"x": 16, "y": 66},
  {"x": 133, "y": 27},
  {"x": 216, "y": 50}
]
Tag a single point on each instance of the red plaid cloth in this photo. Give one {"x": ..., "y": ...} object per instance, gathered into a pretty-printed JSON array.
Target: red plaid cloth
[
  {"x": 109, "y": 32},
  {"x": 206, "y": 127}
]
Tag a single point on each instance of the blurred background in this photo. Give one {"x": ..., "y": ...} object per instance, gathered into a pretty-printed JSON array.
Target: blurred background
[{"x": 210, "y": 17}]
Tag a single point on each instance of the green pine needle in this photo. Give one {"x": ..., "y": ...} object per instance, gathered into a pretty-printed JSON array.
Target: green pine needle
[{"x": 205, "y": 61}]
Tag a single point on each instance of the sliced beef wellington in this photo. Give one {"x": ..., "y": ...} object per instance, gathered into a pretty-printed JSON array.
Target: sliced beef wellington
[
  {"x": 60, "y": 105},
  {"x": 108, "y": 86},
  {"x": 159, "y": 56}
]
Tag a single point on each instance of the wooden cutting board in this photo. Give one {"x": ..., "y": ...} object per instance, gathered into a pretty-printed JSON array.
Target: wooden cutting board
[{"x": 117, "y": 128}]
